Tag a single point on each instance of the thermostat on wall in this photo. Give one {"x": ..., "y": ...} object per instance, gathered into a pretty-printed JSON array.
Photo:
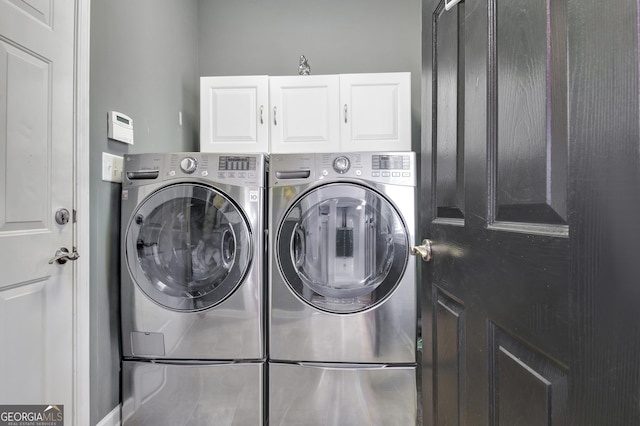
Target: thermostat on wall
[{"x": 120, "y": 127}]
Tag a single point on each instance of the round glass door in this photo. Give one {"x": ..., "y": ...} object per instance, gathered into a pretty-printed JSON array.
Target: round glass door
[
  {"x": 342, "y": 247},
  {"x": 188, "y": 247}
]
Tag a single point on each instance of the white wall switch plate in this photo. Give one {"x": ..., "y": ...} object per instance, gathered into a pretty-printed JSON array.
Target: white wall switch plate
[{"x": 111, "y": 168}]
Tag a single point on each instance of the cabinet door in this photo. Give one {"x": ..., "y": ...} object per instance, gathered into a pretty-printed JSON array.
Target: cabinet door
[
  {"x": 375, "y": 112},
  {"x": 234, "y": 114},
  {"x": 304, "y": 113}
]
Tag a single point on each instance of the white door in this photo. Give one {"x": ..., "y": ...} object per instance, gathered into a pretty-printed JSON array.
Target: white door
[
  {"x": 36, "y": 180},
  {"x": 234, "y": 114},
  {"x": 375, "y": 112},
  {"x": 304, "y": 113}
]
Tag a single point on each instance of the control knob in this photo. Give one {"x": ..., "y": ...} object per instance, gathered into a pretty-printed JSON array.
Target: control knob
[
  {"x": 341, "y": 164},
  {"x": 188, "y": 164}
]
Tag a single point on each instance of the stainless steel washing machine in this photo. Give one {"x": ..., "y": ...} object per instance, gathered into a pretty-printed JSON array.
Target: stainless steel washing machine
[
  {"x": 342, "y": 289},
  {"x": 192, "y": 278}
]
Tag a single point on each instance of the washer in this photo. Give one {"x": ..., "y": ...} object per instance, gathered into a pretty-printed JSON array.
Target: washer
[
  {"x": 342, "y": 288},
  {"x": 193, "y": 333}
]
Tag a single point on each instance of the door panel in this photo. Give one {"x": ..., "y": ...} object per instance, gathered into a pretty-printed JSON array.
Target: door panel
[
  {"x": 448, "y": 96},
  {"x": 15, "y": 303},
  {"x": 497, "y": 306},
  {"x": 36, "y": 179},
  {"x": 25, "y": 116},
  {"x": 449, "y": 357},
  {"x": 234, "y": 114},
  {"x": 41, "y": 10},
  {"x": 604, "y": 201},
  {"x": 536, "y": 292},
  {"x": 374, "y": 112},
  {"x": 314, "y": 394},
  {"x": 304, "y": 113},
  {"x": 222, "y": 393},
  {"x": 527, "y": 389},
  {"x": 531, "y": 145}
]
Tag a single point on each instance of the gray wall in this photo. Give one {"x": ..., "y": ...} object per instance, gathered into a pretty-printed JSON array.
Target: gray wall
[
  {"x": 143, "y": 64},
  {"x": 266, "y": 37}
]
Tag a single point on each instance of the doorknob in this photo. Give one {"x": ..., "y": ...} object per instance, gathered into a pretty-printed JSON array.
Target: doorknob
[
  {"x": 62, "y": 216},
  {"x": 423, "y": 250},
  {"x": 62, "y": 255}
]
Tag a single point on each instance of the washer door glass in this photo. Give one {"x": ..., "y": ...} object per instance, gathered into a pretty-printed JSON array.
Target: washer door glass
[
  {"x": 342, "y": 247},
  {"x": 188, "y": 247}
]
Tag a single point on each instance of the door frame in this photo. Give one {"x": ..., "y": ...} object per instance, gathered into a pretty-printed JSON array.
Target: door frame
[{"x": 81, "y": 275}]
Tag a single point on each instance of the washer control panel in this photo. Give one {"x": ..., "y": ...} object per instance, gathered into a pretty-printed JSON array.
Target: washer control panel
[{"x": 231, "y": 169}]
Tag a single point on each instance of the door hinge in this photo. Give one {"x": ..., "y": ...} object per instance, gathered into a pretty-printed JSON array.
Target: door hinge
[{"x": 75, "y": 216}]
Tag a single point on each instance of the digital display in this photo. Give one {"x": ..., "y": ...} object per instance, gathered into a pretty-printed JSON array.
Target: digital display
[
  {"x": 237, "y": 163},
  {"x": 122, "y": 119},
  {"x": 390, "y": 162}
]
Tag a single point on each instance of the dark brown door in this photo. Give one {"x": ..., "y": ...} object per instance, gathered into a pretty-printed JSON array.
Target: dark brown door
[{"x": 531, "y": 197}]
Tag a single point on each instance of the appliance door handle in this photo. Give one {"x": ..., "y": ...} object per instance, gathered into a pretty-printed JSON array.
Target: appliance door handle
[
  {"x": 143, "y": 174},
  {"x": 342, "y": 366},
  {"x": 298, "y": 174}
]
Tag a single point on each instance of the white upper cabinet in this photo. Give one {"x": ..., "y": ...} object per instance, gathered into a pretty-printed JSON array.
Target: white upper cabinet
[
  {"x": 234, "y": 114},
  {"x": 376, "y": 112},
  {"x": 310, "y": 113},
  {"x": 304, "y": 113}
]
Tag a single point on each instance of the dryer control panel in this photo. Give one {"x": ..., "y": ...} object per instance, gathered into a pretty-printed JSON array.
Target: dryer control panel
[{"x": 397, "y": 168}]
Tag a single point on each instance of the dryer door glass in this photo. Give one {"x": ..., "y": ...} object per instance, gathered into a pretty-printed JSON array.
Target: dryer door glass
[
  {"x": 342, "y": 247},
  {"x": 188, "y": 247}
]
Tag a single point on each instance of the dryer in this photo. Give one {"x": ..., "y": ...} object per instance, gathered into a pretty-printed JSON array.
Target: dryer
[
  {"x": 342, "y": 289},
  {"x": 192, "y": 273}
]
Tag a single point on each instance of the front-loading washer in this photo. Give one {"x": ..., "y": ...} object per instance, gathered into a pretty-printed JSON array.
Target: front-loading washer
[
  {"x": 192, "y": 274},
  {"x": 342, "y": 289}
]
